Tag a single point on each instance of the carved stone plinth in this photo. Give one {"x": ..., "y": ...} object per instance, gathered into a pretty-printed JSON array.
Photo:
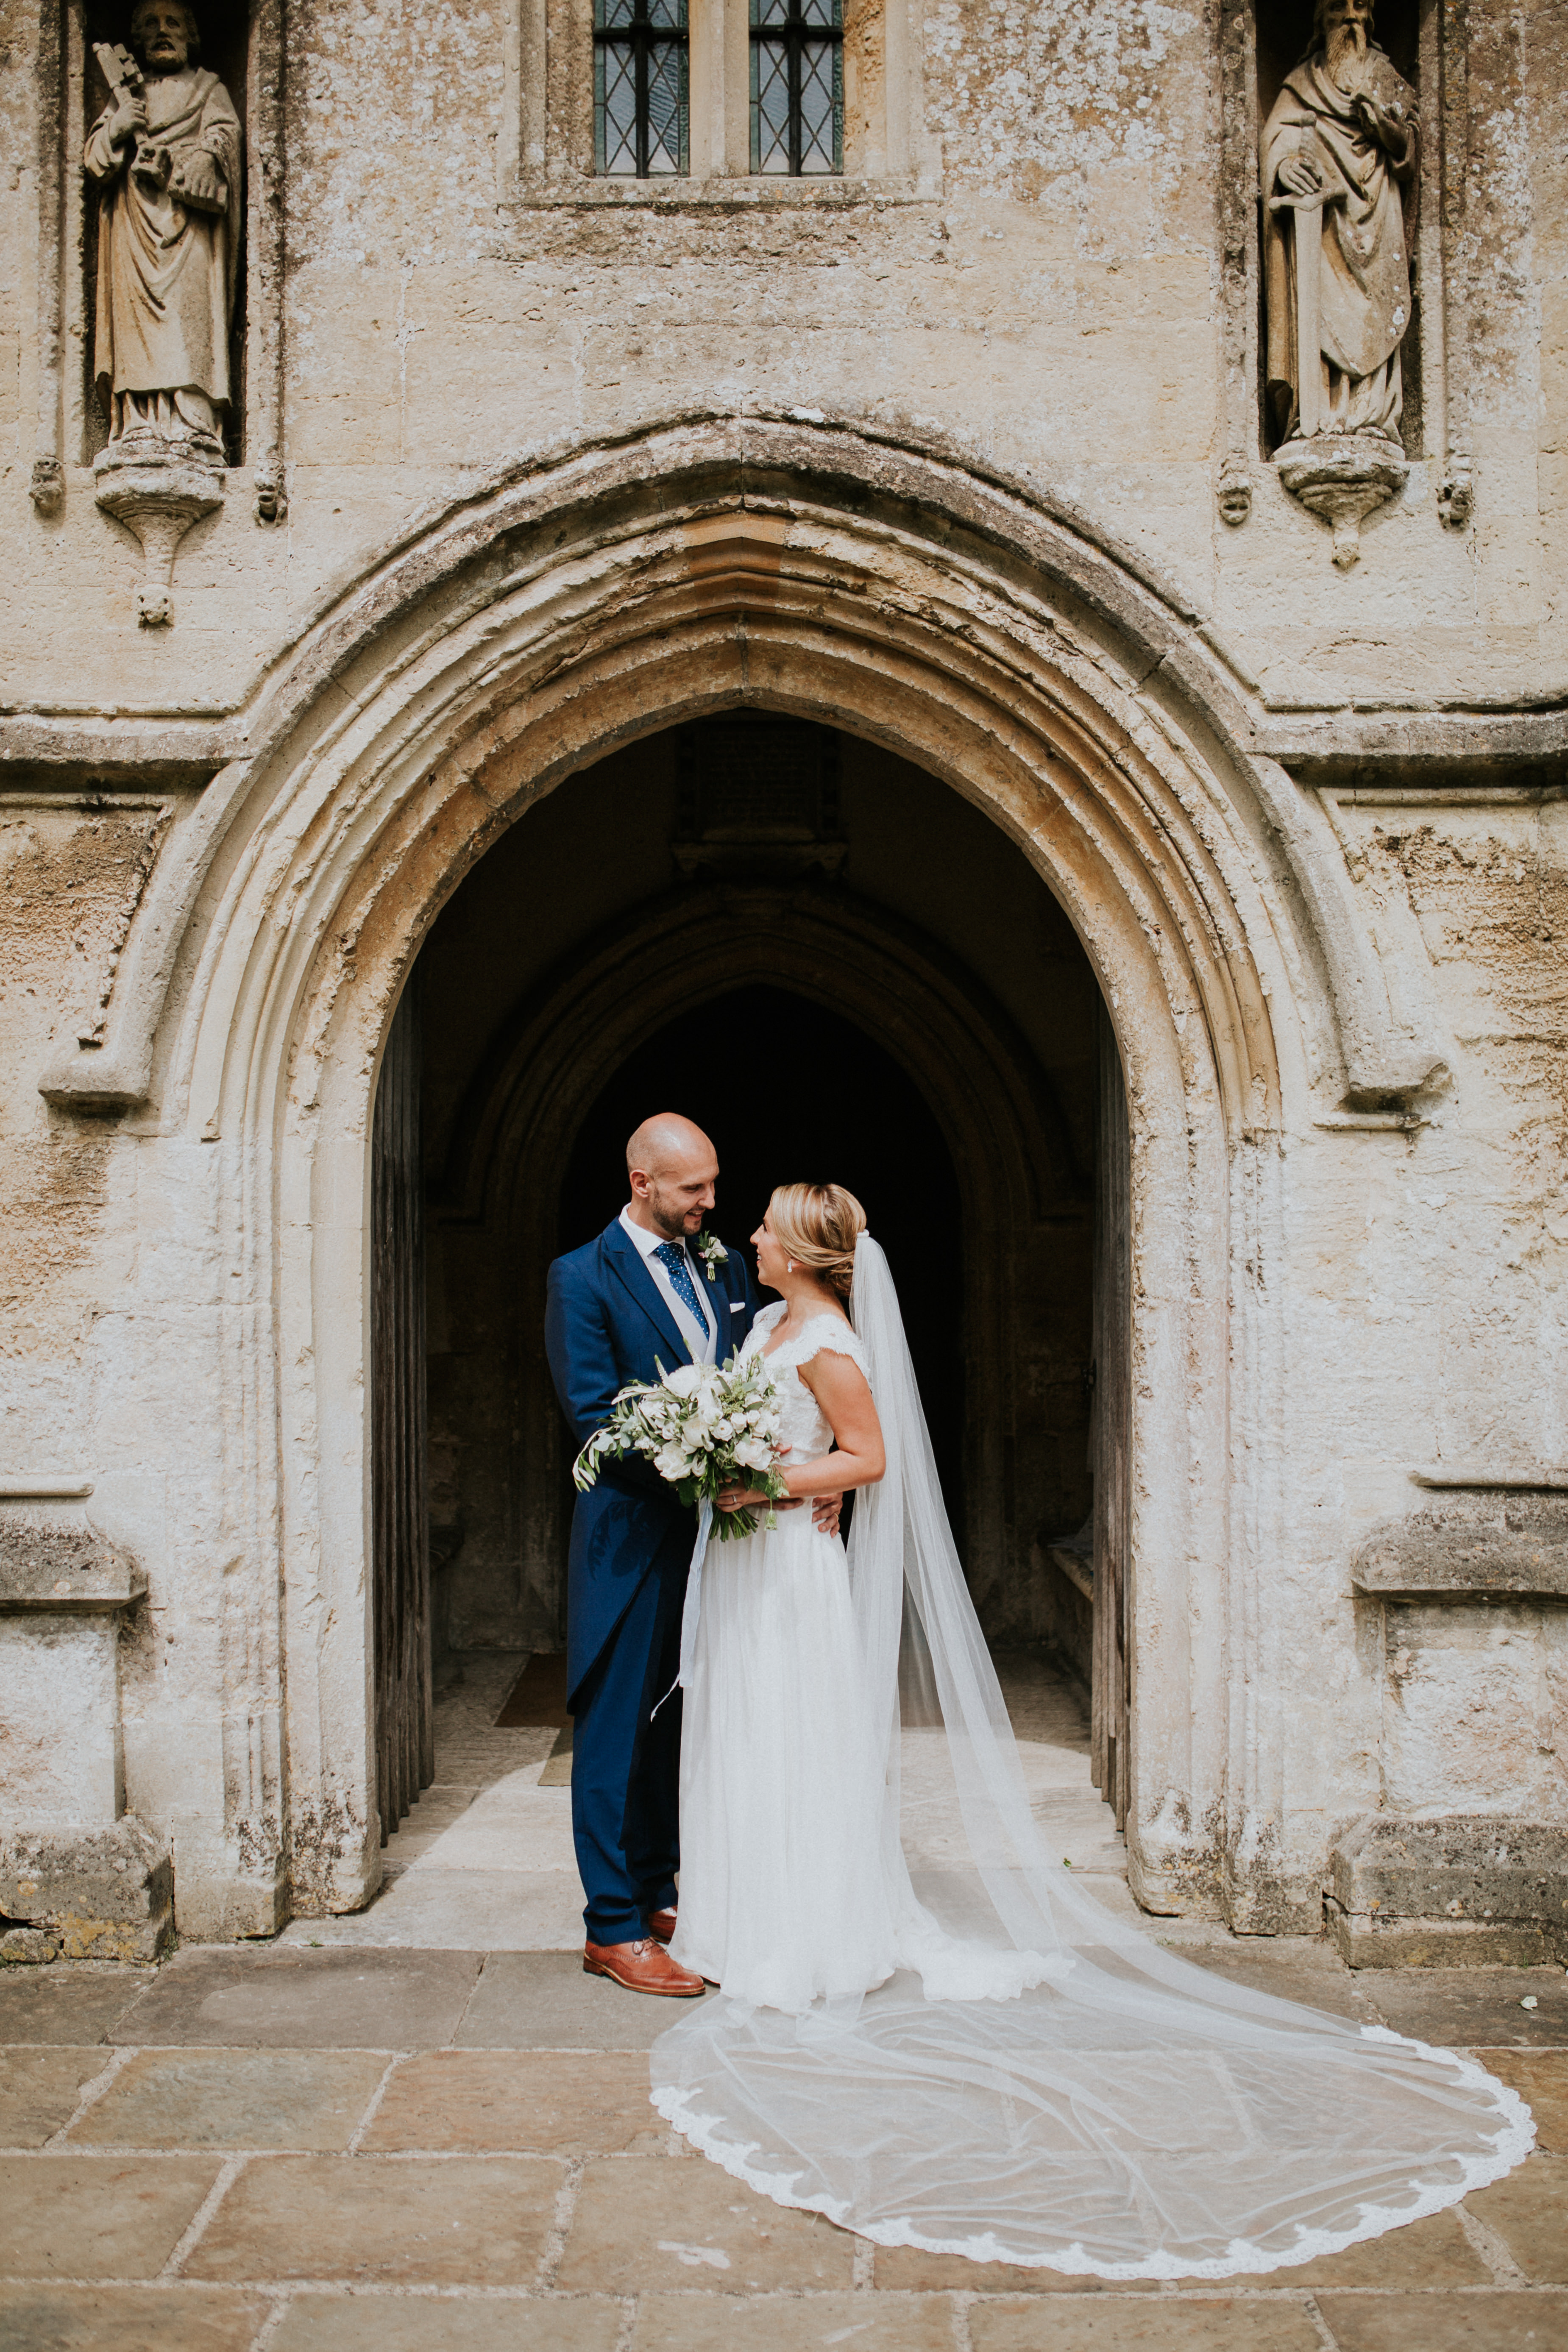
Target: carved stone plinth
[
  {"x": 158, "y": 490},
  {"x": 1342, "y": 476}
]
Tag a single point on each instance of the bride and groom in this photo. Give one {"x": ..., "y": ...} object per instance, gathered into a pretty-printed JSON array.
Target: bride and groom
[
  {"x": 926, "y": 2030},
  {"x": 638, "y": 1297}
]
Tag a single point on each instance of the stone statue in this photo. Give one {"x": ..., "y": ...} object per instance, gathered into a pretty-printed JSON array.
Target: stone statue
[
  {"x": 1340, "y": 158},
  {"x": 165, "y": 152}
]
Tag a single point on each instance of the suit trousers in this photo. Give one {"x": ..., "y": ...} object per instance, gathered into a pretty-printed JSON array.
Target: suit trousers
[{"x": 625, "y": 1769}]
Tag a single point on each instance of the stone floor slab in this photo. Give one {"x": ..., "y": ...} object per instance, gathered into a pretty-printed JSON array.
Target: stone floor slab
[
  {"x": 128, "y": 2319},
  {"x": 1294, "y": 1968},
  {"x": 1460, "y": 2323},
  {"x": 1541, "y": 2078},
  {"x": 543, "y": 2000},
  {"x": 911, "y": 2269},
  {"x": 1159, "y": 2325},
  {"x": 582, "y": 2103},
  {"x": 96, "y": 2217},
  {"x": 1433, "y": 2252},
  {"x": 233, "y": 2099},
  {"x": 416, "y": 2322},
  {"x": 39, "y": 2090},
  {"x": 383, "y": 2220},
  {"x": 695, "y": 2323},
  {"x": 1529, "y": 2211},
  {"x": 1456, "y": 2008},
  {"x": 643, "y": 2223},
  {"x": 65, "y": 2003},
  {"x": 285, "y": 1998},
  {"x": 463, "y": 1910}
]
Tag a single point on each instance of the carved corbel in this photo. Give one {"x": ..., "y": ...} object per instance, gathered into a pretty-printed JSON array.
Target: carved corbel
[
  {"x": 157, "y": 496},
  {"x": 1343, "y": 477}
]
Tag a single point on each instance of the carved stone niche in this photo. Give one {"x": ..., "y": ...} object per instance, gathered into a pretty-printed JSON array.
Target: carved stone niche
[
  {"x": 1339, "y": 172},
  {"x": 163, "y": 164},
  {"x": 1467, "y": 1862}
]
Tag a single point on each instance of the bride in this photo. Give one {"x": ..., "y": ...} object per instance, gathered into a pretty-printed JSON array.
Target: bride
[{"x": 926, "y": 2030}]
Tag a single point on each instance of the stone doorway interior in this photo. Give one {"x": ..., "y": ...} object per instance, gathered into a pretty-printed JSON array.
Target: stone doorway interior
[{"x": 840, "y": 967}]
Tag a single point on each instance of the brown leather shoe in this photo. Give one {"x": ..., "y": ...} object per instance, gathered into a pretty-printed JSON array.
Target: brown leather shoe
[
  {"x": 661, "y": 1926},
  {"x": 643, "y": 1967}
]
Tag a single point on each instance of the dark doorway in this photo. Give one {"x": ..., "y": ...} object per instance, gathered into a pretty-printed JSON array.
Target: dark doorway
[{"x": 791, "y": 1092}]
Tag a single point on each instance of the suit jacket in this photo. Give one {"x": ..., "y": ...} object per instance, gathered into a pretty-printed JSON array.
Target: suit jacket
[{"x": 605, "y": 1323}]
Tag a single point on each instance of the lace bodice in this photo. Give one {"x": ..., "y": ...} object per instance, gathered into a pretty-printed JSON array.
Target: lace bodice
[{"x": 806, "y": 1427}]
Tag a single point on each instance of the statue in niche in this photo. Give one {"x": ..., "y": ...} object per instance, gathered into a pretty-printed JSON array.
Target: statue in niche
[
  {"x": 1340, "y": 159},
  {"x": 166, "y": 154}
]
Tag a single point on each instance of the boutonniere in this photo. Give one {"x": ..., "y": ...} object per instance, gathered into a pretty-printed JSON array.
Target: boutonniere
[{"x": 712, "y": 1253}]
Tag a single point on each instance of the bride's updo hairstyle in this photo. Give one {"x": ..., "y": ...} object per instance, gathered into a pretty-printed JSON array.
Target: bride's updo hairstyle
[{"x": 818, "y": 1226}]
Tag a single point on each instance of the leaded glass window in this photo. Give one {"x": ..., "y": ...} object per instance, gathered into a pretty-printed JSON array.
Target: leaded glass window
[
  {"x": 639, "y": 87},
  {"x": 798, "y": 86}
]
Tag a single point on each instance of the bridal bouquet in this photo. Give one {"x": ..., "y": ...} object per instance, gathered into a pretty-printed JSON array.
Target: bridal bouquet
[{"x": 703, "y": 1426}]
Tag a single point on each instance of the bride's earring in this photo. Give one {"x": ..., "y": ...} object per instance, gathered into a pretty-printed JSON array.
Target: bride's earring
[{"x": 789, "y": 1265}]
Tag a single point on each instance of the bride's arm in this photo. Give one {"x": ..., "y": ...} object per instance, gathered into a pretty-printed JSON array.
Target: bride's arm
[{"x": 841, "y": 1389}]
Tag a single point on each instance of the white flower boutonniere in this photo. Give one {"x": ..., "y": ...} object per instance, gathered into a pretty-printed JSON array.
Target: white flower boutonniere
[{"x": 712, "y": 1253}]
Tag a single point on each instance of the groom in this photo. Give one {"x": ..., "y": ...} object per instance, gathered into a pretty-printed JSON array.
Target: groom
[{"x": 638, "y": 1297}]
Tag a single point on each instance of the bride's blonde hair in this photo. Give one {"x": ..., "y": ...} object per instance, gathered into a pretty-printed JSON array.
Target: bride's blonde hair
[{"x": 819, "y": 1225}]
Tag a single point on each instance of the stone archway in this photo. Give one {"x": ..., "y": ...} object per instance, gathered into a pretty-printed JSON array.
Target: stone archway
[{"x": 578, "y": 606}]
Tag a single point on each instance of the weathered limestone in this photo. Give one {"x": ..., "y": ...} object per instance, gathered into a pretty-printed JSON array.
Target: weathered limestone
[
  {"x": 92, "y": 1881},
  {"x": 165, "y": 155},
  {"x": 1409, "y": 1893}
]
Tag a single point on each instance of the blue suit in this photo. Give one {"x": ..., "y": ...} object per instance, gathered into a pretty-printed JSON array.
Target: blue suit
[{"x": 606, "y": 1322}]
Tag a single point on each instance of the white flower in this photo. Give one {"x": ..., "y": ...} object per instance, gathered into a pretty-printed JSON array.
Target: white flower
[
  {"x": 752, "y": 1454},
  {"x": 684, "y": 1381}
]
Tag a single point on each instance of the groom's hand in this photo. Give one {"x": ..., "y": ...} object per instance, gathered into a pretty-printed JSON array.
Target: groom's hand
[{"x": 825, "y": 1514}]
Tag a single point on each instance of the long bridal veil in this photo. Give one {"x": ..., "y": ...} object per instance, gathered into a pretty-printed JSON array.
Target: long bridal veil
[{"x": 1040, "y": 2082}]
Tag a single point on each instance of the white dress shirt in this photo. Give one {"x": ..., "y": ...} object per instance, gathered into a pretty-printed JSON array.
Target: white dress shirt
[{"x": 701, "y": 1339}]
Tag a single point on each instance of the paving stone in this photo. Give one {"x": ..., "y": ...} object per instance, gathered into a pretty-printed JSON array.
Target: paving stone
[
  {"x": 39, "y": 2090},
  {"x": 1292, "y": 1968},
  {"x": 1460, "y": 2323},
  {"x": 583, "y": 2103},
  {"x": 722, "y": 2323},
  {"x": 473, "y": 1909},
  {"x": 383, "y": 2220},
  {"x": 288, "y": 1998},
  {"x": 1541, "y": 2078},
  {"x": 408, "y": 2323},
  {"x": 1529, "y": 2211},
  {"x": 67, "y": 2004},
  {"x": 1159, "y": 2325},
  {"x": 1458, "y": 2008},
  {"x": 1433, "y": 2252},
  {"x": 911, "y": 2269},
  {"x": 234, "y": 2098},
  {"x": 128, "y": 2319},
  {"x": 96, "y": 2217},
  {"x": 543, "y": 2000},
  {"x": 642, "y": 2223}
]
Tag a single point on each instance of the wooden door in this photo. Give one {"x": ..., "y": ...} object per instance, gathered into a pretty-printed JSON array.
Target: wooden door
[
  {"x": 405, "y": 1732},
  {"x": 1112, "y": 1684}
]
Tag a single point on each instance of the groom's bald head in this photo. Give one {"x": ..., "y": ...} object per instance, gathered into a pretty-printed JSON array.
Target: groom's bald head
[{"x": 673, "y": 1168}]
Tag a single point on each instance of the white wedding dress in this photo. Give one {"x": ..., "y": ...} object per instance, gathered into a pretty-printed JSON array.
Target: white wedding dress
[
  {"x": 783, "y": 1898},
  {"x": 926, "y": 2030}
]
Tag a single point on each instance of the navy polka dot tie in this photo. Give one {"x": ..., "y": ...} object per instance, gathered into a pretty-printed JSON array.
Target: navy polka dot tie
[{"x": 672, "y": 1256}]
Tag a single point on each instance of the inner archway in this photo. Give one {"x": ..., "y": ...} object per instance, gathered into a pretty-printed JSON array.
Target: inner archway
[{"x": 797, "y": 1091}]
